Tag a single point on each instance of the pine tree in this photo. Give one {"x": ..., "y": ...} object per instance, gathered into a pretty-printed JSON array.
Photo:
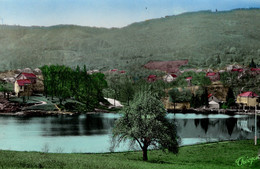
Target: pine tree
[{"x": 252, "y": 64}]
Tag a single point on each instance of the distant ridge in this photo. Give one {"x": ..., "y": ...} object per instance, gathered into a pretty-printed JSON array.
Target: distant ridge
[{"x": 205, "y": 38}]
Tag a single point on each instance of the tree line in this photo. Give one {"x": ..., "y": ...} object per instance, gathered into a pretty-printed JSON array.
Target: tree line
[{"x": 67, "y": 83}]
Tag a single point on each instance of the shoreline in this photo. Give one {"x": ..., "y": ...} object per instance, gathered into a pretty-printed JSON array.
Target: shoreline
[
  {"x": 40, "y": 113},
  {"x": 108, "y": 152},
  {"x": 215, "y": 111}
]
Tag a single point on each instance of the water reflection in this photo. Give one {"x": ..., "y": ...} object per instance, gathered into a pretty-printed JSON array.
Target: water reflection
[
  {"x": 91, "y": 133},
  {"x": 196, "y": 122},
  {"x": 204, "y": 123},
  {"x": 77, "y": 125},
  {"x": 231, "y": 123}
]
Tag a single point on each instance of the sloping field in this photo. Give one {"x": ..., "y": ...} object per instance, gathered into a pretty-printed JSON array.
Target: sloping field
[
  {"x": 167, "y": 66},
  {"x": 207, "y": 39}
]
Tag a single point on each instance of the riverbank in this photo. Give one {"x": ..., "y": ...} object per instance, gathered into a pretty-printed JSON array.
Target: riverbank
[
  {"x": 211, "y": 155},
  {"x": 40, "y": 113},
  {"x": 42, "y": 106},
  {"x": 215, "y": 111}
]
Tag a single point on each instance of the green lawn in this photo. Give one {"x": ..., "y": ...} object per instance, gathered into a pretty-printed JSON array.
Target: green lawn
[{"x": 213, "y": 155}]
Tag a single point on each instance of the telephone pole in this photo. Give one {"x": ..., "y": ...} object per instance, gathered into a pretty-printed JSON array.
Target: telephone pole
[{"x": 255, "y": 125}]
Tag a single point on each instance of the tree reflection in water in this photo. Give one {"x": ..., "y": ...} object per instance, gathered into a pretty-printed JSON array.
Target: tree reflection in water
[
  {"x": 231, "y": 123},
  {"x": 196, "y": 122},
  {"x": 204, "y": 123}
]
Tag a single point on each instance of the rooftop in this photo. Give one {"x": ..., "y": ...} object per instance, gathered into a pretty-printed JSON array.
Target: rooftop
[
  {"x": 248, "y": 94},
  {"x": 23, "y": 82}
]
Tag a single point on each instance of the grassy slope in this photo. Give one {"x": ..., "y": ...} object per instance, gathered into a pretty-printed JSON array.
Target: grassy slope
[
  {"x": 198, "y": 36},
  {"x": 216, "y": 155}
]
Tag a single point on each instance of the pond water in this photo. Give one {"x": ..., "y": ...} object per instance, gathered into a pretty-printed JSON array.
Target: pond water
[{"x": 91, "y": 133}]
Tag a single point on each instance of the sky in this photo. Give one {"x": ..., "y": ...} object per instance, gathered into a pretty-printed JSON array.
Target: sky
[{"x": 105, "y": 13}]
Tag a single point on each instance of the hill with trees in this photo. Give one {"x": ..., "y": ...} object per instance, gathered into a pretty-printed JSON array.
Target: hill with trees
[{"x": 205, "y": 38}]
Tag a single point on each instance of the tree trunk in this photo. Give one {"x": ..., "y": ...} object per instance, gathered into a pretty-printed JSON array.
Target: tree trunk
[{"x": 145, "y": 157}]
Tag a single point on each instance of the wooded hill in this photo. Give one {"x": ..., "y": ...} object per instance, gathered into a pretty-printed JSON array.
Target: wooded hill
[{"x": 206, "y": 39}]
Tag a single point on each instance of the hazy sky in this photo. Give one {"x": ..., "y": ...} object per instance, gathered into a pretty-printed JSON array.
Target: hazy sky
[{"x": 104, "y": 13}]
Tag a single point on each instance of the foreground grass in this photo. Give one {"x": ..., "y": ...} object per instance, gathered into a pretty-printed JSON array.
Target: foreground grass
[{"x": 213, "y": 155}]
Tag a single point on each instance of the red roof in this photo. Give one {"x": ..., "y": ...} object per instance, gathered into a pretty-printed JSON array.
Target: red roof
[
  {"x": 248, "y": 94},
  {"x": 151, "y": 76},
  {"x": 211, "y": 74},
  {"x": 237, "y": 70},
  {"x": 255, "y": 69},
  {"x": 23, "y": 82},
  {"x": 29, "y": 75},
  {"x": 173, "y": 75},
  {"x": 188, "y": 78},
  {"x": 122, "y": 71},
  {"x": 113, "y": 70},
  {"x": 210, "y": 95}
]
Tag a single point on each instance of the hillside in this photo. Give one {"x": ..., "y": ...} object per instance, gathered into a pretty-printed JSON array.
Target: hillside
[{"x": 204, "y": 38}]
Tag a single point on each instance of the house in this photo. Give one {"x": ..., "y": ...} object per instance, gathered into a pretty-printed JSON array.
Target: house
[
  {"x": 122, "y": 72},
  {"x": 213, "y": 105},
  {"x": 32, "y": 77},
  {"x": 23, "y": 87},
  {"x": 248, "y": 98},
  {"x": 151, "y": 78},
  {"x": 213, "y": 102},
  {"x": 188, "y": 79},
  {"x": 170, "y": 77},
  {"x": 113, "y": 70},
  {"x": 211, "y": 97},
  {"x": 213, "y": 76},
  {"x": 255, "y": 71},
  {"x": 24, "y": 83},
  {"x": 239, "y": 70}
]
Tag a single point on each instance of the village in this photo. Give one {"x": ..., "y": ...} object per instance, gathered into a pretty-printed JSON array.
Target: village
[{"x": 22, "y": 89}]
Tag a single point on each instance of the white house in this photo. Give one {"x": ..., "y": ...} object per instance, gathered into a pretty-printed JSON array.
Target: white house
[
  {"x": 213, "y": 105},
  {"x": 22, "y": 87},
  {"x": 169, "y": 77}
]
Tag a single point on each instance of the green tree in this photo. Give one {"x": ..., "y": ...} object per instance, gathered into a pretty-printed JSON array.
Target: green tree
[
  {"x": 180, "y": 96},
  {"x": 144, "y": 122},
  {"x": 6, "y": 88},
  {"x": 252, "y": 64},
  {"x": 64, "y": 82},
  {"x": 204, "y": 97},
  {"x": 195, "y": 101},
  {"x": 230, "y": 98},
  {"x": 198, "y": 79},
  {"x": 127, "y": 90}
]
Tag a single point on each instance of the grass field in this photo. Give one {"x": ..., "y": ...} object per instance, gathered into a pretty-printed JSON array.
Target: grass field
[{"x": 212, "y": 155}]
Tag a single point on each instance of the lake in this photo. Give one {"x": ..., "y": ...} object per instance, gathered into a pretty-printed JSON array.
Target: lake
[{"x": 91, "y": 133}]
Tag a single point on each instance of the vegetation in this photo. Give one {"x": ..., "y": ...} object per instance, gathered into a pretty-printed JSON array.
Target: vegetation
[
  {"x": 240, "y": 82},
  {"x": 213, "y": 155},
  {"x": 198, "y": 79},
  {"x": 66, "y": 83},
  {"x": 123, "y": 87},
  {"x": 144, "y": 122},
  {"x": 6, "y": 88},
  {"x": 213, "y": 39},
  {"x": 252, "y": 64}
]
